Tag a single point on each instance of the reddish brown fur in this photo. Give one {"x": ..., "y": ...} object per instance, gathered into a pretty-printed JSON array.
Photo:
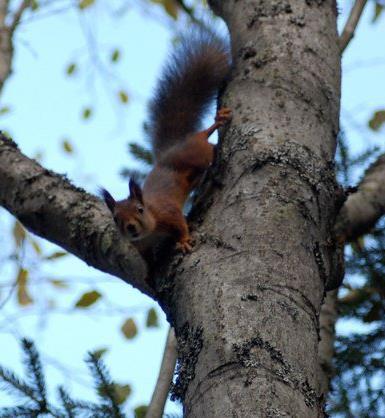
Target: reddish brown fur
[
  {"x": 189, "y": 83},
  {"x": 165, "y": 191}
]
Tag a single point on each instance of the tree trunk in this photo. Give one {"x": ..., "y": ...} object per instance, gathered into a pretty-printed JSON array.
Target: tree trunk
[
  {"x": 328, "y": 319},
  {"x": 246, "y": 302}
]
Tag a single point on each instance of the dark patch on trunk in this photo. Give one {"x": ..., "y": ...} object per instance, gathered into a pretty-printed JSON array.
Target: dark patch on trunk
[
  {"x": 281, "y": 368},
  {"x": 190, "y": 343}
]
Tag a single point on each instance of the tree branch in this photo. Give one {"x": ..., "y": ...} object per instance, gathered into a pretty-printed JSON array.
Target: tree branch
[
  {"x": 6, "y": 50},
  {"x": 51, "y": 207},
  {"x": 18, "y": 14},
  {"x": 364, "y": 208},
  {"x": 166, "y": 373},
  {"x": 351, "y": 24}
]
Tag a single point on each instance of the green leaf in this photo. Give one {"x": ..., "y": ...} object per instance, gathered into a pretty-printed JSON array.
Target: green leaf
[
  {"x": 123, "y": 96},
  {"x": 100, "y": 352},
  {"x": 67, "y": 146},
  {"x": 86, "y": 113},
  {"x": 378, "y": 119},
  {"x": 115, "y": 55},
  {"x": 140, "y": 411},
  {"x": 152, "y": 318},
  {"x": 122, "y": 392},
  {"x": 4, "y": 110},
  {"x": 34, "y": 5},
  {"x": 56, "y": 255},
  {"x": 23, "y": 296},
  {"x": 141, "y": 153},
  {"x": 88, "y": 299},
  {"x": 129, "y": 329},
  {"x": 19, "y": 233},
  {"x": 170, "y": 6},
  {"x": 83, "y": 4},
  {"x": 378, "y": 8},
  {"x": 71, "y": 68}
]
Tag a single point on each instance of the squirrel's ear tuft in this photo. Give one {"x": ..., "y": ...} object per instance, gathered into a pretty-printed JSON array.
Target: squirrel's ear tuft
[
  {"x": 135, "y": 190},
  {"x": 110, "y": 201}
]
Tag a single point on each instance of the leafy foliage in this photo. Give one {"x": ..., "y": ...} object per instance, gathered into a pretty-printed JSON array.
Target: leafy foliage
[
  {"x": 377, "y": 120},
  {"x": 88, "y": 299},
  {"x": 33, "y": 397},
  {"x": 129, "y": 329},
  {"x": 359, "y": 382}
]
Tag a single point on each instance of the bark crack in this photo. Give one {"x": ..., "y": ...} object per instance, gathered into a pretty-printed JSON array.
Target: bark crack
[{"x": 281, "y": 368}]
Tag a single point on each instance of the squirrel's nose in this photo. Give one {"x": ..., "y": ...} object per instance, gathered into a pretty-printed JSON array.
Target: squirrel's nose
[{"x": 131, "y": 229}]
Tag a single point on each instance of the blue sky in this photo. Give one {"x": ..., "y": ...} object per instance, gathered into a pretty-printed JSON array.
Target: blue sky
[{"x": 45, "y": 109}]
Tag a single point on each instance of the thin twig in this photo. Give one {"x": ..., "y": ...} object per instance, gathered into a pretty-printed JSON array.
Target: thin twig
[
  {"x": 166, "y": 373},
  {"x": 351, "y": 24},
  {"x": 9, "y": 295},
  {"x": 18, "y": 14},
  {"x": 190, "y": 12}
]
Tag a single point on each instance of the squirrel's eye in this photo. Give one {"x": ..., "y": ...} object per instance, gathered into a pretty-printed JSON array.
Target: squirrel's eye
[{"x": 140, "y": 209}]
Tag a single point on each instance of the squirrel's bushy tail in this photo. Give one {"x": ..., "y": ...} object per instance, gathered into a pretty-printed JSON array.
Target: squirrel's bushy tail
[{"x": 190, "y": 81}]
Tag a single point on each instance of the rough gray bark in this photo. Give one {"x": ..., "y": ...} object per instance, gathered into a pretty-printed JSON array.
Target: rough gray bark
[
  {"x": 246, "y": 302},
  {"x": 328, "y": 318},
  {"x": 50, "y": 206}
]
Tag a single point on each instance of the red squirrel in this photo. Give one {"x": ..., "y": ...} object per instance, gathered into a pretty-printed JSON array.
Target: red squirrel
[{"x": 189, "y": 83}]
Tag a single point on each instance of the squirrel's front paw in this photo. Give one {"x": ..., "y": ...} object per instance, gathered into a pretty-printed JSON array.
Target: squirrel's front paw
[
  {"x": 223, "y": 115},
  {"x": 184, "y": 247}
]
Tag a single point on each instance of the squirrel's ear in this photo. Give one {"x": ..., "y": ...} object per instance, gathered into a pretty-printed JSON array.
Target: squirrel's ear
[
  {"x": 110, "y": 201},
  {"x": 135, "y": 190}
]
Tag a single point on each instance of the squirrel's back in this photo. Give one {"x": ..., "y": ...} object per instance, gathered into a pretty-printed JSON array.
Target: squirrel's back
[{"x": 189, "y": 83}]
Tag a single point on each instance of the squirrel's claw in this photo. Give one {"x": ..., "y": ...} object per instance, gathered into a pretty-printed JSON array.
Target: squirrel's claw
[
  {"x": 223, "y": 115},
  {"x": 184, "y": 247}
]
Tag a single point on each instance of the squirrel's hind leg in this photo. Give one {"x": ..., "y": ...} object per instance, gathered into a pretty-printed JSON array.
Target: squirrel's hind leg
[{"x": 221, "y": 118}]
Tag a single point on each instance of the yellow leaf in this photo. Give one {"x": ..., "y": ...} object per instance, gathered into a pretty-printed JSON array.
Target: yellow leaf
[
  {"x": 378, "y": 8},
  {"x": 19, "y": 233},
  {"x": 121, "y": 392},
  {"x": 67, "y": 146},
  {"x": 88, "y": 299},
  {"x": 23, "y": 296},
  {"x": 170, "y": 6},
  {"x": 59, "y": 283},
  {"x": 36, "y": 247},
  {"x": 56, "y": 254},
  {"x": 100, "y": 352},
  {"x": 377, "y": 120},
  {"x": 123, "y": 96},
  {"x": 83, "y": 4},
  {"x": 152, "y": 318},
  {"x": 129, "y": 328}
]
